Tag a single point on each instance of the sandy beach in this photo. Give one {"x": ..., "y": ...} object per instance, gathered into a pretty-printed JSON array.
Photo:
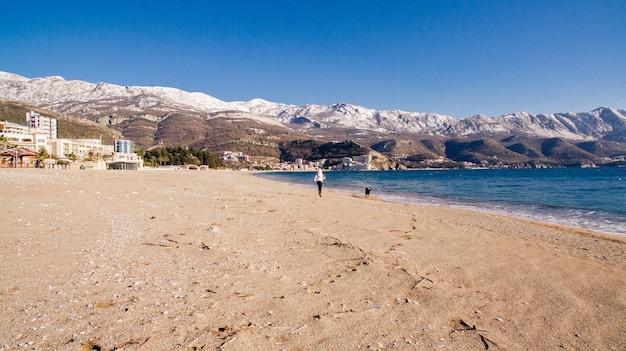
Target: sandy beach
[{"x": 223, "y": 260}]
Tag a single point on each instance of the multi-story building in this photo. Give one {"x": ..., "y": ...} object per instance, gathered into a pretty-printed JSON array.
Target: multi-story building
[
  {"x": 124, "y": 146},
  {"x": 37, "y": 135},
  {"x": 13, "y": 130},
  {"x": 37, "y": 122},
  {"x": 124, "y": 156},
  {"x": 40, "y": 132},
  {"x": 22, "y": 136},
  {"x": 81, "y": 148}
]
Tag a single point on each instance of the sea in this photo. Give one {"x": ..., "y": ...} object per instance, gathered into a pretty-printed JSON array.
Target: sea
[{"x": 588, "y": 198}]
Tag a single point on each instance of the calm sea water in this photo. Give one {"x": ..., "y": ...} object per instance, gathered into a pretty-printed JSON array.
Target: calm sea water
[{"x": 593, "y": 199}]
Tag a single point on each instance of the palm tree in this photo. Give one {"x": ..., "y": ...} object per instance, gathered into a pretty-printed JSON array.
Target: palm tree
[
  {"x": 42, "y": 155},
  {"x": 72, "y": 156}
]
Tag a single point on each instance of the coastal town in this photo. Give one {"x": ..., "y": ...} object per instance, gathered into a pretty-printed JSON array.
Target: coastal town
[{"x": 35, "y": 144}]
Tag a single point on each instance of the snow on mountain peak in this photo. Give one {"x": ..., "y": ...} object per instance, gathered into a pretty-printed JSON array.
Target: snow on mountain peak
[
  {"x": 104, "y": 99},
  {"x": 50, "y": 91},
  {"x": 6, "y": 76}
]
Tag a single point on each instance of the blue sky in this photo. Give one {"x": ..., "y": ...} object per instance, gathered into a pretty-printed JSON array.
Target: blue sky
[{"x": 458, "y": 58}]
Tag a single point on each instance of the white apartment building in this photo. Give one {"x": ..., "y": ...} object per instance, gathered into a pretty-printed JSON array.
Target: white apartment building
[
  {"x": 37, "y": 122},
  {"x": 41, "y": 132},
  {"x": 23, "y": 136},
  {"x": 37, "y": 135},
  {"x": 81, "y": 148},
  {"x": 13, "y": 130}
]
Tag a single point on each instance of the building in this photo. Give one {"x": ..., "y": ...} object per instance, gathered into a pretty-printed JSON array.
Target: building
[
  {"x": 124, "y": 146},
  {"x": 13, "y": 130},
  {"x": 23, "y": 137},
  {"x": 90, "y": 153},
  {"x": 362, "y": 162},
  {"x": 37, "y": 122},
  {"x": 124, "y": 157},
  {"x": 79, "y": 148},
  {"x": 126, "y": 161}
]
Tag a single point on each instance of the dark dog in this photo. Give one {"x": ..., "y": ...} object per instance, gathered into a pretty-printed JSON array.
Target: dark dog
[{"x": 367, "y": 191}]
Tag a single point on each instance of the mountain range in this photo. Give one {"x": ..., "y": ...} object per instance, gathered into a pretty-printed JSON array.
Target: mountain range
[{"x": 155, "y": 116}]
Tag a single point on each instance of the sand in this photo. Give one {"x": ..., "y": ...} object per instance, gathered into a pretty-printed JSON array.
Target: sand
[{"x": 224, "y": 260}]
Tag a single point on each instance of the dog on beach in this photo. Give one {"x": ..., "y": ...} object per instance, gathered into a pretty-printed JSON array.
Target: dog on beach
[{"x": 367, "y": 191}]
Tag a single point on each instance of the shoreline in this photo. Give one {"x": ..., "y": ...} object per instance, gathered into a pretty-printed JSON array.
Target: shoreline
[
  {"x": 596, "y": 221},
  {"x": 570, "y": 230},
  {"x": 226, "y": 260}
]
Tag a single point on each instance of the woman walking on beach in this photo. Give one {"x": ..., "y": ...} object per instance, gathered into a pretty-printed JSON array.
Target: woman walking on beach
[{"x": 319, "y": 179}]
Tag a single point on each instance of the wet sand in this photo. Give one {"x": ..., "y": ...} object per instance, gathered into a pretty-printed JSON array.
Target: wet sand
[{"x": 223, "y": 260}]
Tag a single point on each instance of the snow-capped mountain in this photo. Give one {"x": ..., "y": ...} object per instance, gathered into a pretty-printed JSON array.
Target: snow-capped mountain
[
  {"x": 572, "y": 126},
  {"x": 358, "y": 117},
  {"x": 58, "y": 94},
  {"x": 113, "y": 103}
]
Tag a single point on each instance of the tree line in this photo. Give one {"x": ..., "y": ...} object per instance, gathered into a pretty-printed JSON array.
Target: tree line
[{"x": 178, "y": 156}]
